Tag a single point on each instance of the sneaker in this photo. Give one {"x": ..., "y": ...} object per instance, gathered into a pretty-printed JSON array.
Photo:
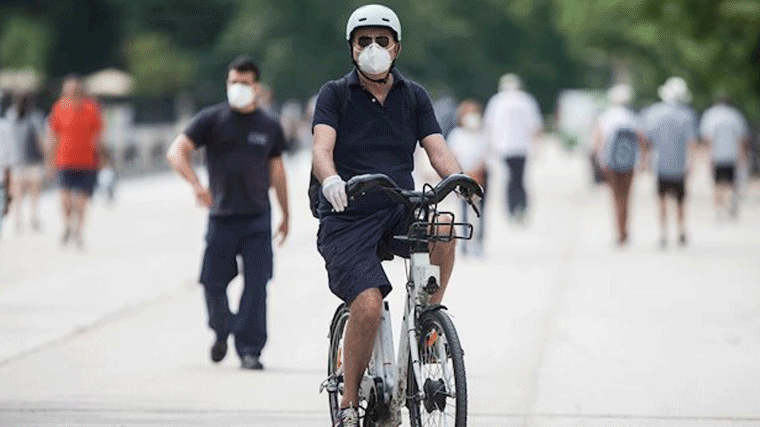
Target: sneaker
[
  {"x": 348, "y": 417},
  {"x": 249, "y": 361},
  {"x": 663, "y": 243},
  {"x": 218, "y": 350},
  {"x": 682, "y": 239}
]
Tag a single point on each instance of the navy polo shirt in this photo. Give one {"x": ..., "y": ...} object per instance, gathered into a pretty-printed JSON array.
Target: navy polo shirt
[
  {"x": 239, "y": 147},
  {"x": 374, "y": 138}
]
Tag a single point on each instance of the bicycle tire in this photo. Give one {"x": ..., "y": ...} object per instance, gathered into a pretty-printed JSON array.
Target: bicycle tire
[
  {"x": 446, "y": 398},
  {"x": 334, "y": 358}
]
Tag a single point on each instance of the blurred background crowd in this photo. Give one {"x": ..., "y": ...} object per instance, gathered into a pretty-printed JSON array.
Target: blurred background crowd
[{"x": 152, "y": 64}]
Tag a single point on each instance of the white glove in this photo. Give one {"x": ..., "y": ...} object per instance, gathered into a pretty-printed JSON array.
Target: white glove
[{"x": 334, "y": 190}]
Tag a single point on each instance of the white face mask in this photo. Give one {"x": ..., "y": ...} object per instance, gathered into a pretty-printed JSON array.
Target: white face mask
[
  {"x": 471, "y": 121},
  {"x": 374, "y": 59},
  {"x": 240, "y": 95}
]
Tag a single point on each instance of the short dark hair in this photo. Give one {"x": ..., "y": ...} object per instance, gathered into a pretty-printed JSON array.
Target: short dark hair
[{"x": 244, "y": 64}]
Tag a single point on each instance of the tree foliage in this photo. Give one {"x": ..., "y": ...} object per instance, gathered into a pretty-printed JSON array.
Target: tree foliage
[
  {"x": 455, "y": 47},
  {"x": 24, "y": 43}
]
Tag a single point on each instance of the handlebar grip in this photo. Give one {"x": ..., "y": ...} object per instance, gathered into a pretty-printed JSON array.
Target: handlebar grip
[
  {"x": 362, "y": 183},
  {"x": 468, "y": 185}
]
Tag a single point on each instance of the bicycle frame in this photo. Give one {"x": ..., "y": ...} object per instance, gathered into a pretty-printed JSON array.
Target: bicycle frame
[{"x": 382, "y": 364}]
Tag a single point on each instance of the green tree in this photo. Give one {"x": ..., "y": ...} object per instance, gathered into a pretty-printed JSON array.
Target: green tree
[
  {"x": 708, "y": 42},
  {"x": 157, "y": 66},
  {"x": 24, "y": 43}
]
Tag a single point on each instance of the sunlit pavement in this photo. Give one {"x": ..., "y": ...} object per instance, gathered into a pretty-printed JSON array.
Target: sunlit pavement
[{"x": 560, "y": 328}]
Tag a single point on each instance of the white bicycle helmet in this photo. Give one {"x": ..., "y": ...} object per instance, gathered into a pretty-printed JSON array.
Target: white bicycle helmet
[{"x": 373, "y": 15}]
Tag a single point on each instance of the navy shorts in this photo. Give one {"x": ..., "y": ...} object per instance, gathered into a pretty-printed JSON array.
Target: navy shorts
[
  {"x": 674, "y": 187},
  {"x": 78, "y": 179},
  {"x": 228, "y": 237},
  {"x": 351, "y": 245},
  {"x": 724, "y": 173}
]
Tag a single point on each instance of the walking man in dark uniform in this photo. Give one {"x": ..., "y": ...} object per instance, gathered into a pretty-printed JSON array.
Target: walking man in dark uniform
[{"x": 243, "y": 150}]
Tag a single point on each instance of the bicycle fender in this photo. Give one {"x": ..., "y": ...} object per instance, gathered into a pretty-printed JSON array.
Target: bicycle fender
[{"x": 433, "y": 307}]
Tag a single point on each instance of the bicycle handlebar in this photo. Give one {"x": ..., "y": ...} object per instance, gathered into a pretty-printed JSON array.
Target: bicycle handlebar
[{"x": 467, "y": 187}]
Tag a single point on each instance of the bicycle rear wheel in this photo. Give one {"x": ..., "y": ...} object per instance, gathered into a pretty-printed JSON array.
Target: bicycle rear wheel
[{"x": 444, "y": 384}]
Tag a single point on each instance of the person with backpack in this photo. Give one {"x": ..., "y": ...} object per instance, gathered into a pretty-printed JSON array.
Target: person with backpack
[
  {"x": 28, "y": 131},
  {"x": 244, "y": 148},
  {"x": 615, "y": 143},
  {"x": 370, "y": 121},
  {"x": 670, "y": 127}
]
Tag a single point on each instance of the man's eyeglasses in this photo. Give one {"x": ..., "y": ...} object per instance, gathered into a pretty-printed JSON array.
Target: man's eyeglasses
[{"x": 382, "y": 41}]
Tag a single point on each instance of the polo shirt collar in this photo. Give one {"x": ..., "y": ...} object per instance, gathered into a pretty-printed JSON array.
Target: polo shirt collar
[{"x": 398, "y": 78}]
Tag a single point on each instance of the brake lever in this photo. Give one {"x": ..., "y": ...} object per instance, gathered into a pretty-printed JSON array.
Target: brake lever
[
  {"x": 467, "y": 196},
  {"x": 474, "y": 206}
]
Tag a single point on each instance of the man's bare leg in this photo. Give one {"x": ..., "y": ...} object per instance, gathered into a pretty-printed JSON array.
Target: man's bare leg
[
  {"x": 663, "y": 221},
  {"x": 34, "y": 200},
  {"x": 68, "y": 213},
  {"x": 361, "y": 329},
  {"x": 443, "y": 255},
  {"x": 17, "y": 191},
  {"x": 79, "y": 200}
]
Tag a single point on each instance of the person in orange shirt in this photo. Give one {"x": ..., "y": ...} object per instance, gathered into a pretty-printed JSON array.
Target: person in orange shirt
[{"x": 75, "y": 128}]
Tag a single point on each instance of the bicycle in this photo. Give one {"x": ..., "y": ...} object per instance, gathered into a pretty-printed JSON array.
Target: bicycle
[{"x": 429, "y": 376}]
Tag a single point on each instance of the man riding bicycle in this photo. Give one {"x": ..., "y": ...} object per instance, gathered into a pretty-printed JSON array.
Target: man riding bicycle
[{"x": 370, "y": 122}]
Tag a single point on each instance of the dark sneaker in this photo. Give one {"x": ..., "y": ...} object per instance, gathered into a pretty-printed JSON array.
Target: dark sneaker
[
  {"x": 250, "y": 361},
  {"x": 682, "y": 239},
  {"x": 218, "y": 350},
  {"x": 348, "y": 417}
]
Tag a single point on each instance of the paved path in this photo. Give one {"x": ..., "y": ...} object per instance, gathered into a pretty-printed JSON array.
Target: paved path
[{"x": 559, "y": 328}]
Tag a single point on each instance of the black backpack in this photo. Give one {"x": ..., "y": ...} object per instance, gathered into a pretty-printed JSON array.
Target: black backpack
[
  {"x": 314, "y": 186},
  {"x": 623, "y": 151}
]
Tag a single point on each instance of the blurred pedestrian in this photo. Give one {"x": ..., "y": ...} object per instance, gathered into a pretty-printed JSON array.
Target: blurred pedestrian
[
  {"x": 670, "y": 127},
  {"x": 291, "y": 121},
  {"x": 512, "y": 121},
  {"x": 75, "y": 128},
  {"x": 725, "y": 131},
  {"x": 244, "y": 154},
  {"x": 615, "y": 143},
  {"x": 468, "y": 143},
  {"x": 27, "y": 124},
  {"x": 8, "y": 159}
]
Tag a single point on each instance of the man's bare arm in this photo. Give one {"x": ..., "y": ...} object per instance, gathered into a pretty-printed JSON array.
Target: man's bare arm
[
  {"x": 179, "y": 157},
  {"x": 322, "y": 151},
  {"x": 441, "y": 158},
  {"x": 280, "y": 185}
]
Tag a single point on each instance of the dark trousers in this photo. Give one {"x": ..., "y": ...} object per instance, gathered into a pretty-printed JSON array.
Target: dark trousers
[
  {"x": 517, "y": 198},
  {"x": 226, "y": 239}
]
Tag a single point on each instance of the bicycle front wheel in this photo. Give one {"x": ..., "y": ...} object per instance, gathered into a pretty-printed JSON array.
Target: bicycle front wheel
[
  {"x": 335, "y": 360},
  {"x": 444, "y": 385}
]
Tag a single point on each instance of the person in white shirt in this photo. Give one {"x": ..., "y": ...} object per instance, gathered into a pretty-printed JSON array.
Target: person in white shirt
[
  {"x": 615, "y": 143},
  {"x": 512, "y": 122},
  {"x": 468, "y": 143},
  {"x": 725, "y": 131}
]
